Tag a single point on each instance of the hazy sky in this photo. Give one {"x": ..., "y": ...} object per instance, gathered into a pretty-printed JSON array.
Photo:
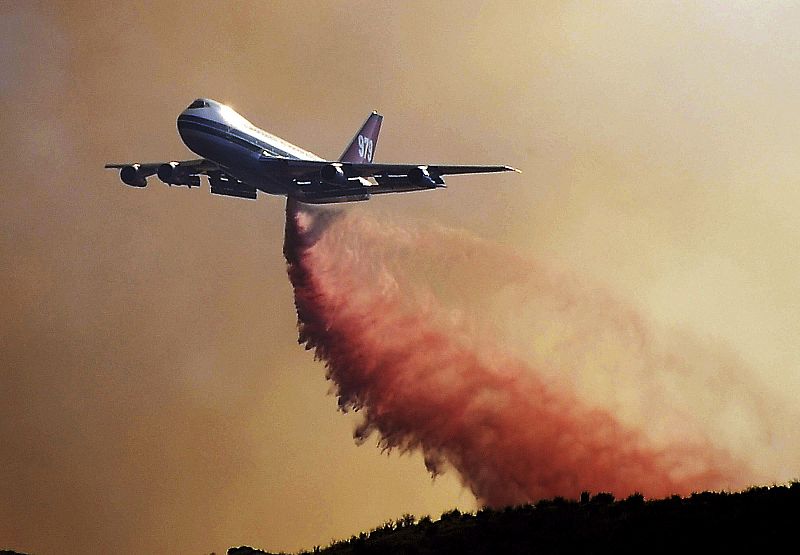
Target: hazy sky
[{"x": 152, "y": 394}]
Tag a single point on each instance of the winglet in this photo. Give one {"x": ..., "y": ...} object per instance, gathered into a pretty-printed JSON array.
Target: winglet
[{"x": 361, "y": 149}]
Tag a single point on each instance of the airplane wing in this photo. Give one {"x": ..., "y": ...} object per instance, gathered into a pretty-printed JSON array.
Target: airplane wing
[
  {"x": 299, "y": 168},
  {"x": 200, "y": 164},
  {"x": 185, "y": 172},
  {"x": 317, "y": 180},
  {"x": 344, "y": 179},
  {"x": 188, "y": 167},
  {"x": 401, "y": 170}
]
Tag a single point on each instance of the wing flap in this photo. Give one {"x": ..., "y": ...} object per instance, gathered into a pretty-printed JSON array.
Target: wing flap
[
  {"x": 298, "y": 168},
  {"x": 193, "y": 167}
]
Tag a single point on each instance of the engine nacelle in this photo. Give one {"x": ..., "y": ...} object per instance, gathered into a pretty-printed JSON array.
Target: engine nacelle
[
  {"x": 334, "y": 174},
  {"x": 172, "y": 174},
  {"x": 421, "y": 176},
  {"x": 131, "y": 175}
]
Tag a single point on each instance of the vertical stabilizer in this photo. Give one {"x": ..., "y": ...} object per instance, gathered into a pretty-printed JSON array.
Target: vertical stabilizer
[{"x": 361, "y": 149}]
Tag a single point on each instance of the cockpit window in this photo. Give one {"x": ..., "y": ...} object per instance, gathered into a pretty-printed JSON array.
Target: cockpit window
[{"x": 198, "y": 104}]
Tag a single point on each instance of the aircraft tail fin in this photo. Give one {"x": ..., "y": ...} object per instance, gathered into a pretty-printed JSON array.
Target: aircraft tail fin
[{"x": 361, "y": 149}]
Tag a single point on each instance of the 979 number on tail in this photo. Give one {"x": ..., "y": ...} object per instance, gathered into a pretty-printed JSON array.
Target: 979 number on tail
[{"x": 365, "y": 148}]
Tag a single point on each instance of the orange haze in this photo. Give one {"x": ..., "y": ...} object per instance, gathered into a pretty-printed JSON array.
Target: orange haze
[
  {"x": 427, "y": 379},
  {"x": 153, "y": 397}
]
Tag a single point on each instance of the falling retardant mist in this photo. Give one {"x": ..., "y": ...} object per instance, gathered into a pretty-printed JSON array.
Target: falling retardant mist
[{"x": 427, "y": 375}]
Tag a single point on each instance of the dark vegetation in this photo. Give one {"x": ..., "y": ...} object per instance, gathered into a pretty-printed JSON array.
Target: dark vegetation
[{"x": 758, "y": 520}]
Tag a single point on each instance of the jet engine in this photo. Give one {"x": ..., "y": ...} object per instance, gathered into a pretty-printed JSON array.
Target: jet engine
[
  {"x": 421, "y": 176},
  {"x": 171, "y": 173},
  {"x": 131, "y": 175},
  {"x": 334, "y": 174}
]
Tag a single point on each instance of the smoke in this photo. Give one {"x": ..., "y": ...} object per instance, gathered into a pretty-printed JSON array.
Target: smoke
[
  {"x": 149, "y": 404},
  {"x": 414, "y": 354}
]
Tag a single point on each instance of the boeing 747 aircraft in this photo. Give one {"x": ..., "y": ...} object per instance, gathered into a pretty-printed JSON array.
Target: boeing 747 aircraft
[{"x": 240, "y": 159}]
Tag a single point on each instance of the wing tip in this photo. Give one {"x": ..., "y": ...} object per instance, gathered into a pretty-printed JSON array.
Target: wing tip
[{"x": 512, "y": 169}]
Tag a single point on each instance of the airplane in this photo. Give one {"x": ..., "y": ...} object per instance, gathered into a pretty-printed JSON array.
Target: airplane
[{"x": 239, "y": 160}]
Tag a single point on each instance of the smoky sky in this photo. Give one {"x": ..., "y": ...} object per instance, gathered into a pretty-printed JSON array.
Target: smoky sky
[{"x": 153, "y": 395}]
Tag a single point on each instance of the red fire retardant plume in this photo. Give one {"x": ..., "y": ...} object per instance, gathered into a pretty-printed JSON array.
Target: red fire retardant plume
[{"x": 425, "y": 380}]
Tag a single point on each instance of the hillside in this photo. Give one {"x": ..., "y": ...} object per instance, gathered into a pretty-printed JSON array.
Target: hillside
[{"x": 755, "y": 520}]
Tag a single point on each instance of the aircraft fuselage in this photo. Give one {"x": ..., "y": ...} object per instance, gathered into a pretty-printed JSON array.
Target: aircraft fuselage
[{"x": 220, "y": 134}]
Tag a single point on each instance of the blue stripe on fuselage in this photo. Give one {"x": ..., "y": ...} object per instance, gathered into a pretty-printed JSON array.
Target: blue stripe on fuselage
[
  {"x": 238, "y": 153},
  {"x": 231, "y": 134}
]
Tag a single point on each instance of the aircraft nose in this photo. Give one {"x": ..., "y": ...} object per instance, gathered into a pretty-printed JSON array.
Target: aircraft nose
[{"x": 199, "y": 103}]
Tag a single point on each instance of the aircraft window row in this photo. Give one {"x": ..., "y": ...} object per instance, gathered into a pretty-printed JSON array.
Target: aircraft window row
[{"x": 198, "y": 104}]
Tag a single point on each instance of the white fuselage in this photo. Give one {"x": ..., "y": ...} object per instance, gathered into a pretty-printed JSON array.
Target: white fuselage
[{"x": 220, "y": 134}]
